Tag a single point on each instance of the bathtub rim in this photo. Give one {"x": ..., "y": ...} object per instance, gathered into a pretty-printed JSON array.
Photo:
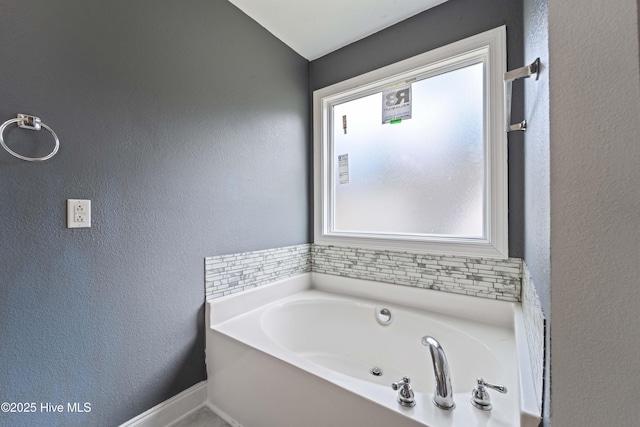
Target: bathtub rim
[{"x": 485, "y": 310}]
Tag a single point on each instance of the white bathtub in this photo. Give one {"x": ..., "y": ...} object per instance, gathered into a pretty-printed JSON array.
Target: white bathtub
[{"x": 299, "y": 353}]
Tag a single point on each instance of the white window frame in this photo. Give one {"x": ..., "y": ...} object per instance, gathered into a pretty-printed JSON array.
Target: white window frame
[{"x": 492, "y": 46}]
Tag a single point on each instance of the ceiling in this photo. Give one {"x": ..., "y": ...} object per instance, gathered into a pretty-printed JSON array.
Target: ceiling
[{"x": 314, "y": 28}]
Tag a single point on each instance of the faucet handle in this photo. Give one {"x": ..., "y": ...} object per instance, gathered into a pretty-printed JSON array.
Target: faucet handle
[
  {"x": 405, "y": 393},
  {"x": 402, "y": 383},
  {"x": 480, "y": 396},
  {"x": 502, "y": 389}
]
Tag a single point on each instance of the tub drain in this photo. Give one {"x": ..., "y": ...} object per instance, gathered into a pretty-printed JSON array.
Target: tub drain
[{"x": 377, "y": 372}]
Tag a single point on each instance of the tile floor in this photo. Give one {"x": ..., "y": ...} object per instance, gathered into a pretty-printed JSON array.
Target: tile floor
[{"x": 203, "y": 417}]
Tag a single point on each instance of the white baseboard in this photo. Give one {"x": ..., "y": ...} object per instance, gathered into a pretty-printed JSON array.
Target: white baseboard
[
  {"x": 173, "y": 409},
  {"x": 232, "y": 422}
]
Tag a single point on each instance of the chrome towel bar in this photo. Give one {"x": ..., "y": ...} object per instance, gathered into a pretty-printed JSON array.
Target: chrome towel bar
[{"x": 519, "y": 73}]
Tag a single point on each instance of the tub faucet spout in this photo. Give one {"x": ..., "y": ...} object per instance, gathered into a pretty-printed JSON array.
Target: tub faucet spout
[{"x": 443, "y": 395}]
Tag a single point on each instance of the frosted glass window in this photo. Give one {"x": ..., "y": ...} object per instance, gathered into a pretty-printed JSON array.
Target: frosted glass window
[
  {"x": 422, "y": 176},
  {"x": 434, "y": 181}
]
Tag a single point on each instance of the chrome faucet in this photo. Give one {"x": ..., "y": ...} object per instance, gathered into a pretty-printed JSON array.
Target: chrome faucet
[{"x": 443, "y": 395}]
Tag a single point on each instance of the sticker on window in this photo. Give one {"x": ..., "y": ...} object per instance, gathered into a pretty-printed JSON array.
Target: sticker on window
[
  {"x": 396, "y": 104},
  {"x": 343, "y": 169}
]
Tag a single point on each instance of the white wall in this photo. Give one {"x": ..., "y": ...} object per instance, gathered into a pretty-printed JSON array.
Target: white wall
[{"x": 595, "y": 207}]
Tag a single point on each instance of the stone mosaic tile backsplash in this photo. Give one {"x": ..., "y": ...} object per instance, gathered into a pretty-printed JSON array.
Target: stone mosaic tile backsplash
[
  {"x": 228, "y": 274},
  {"x": 486, "y": 278},
  {"x": 535, "y": 327}
]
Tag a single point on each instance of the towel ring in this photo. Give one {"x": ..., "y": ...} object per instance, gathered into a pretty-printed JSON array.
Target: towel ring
[{"x": 26, "y": 121}]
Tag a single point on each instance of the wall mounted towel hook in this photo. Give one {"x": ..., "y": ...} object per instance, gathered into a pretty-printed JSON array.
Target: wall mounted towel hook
[
  {"x": 532, "y": 69},
  {"x": 26, "y": 121}
]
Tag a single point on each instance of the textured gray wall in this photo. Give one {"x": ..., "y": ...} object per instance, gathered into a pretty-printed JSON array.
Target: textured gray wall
[
  {"x": 186, "y": 124},
  {"x": 595, "y": 200},
  {"x": 446, "y": 23}
]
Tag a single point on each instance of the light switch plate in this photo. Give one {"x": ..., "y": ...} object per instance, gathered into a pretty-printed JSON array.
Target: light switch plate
[{"x": 78, "y": 213}]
